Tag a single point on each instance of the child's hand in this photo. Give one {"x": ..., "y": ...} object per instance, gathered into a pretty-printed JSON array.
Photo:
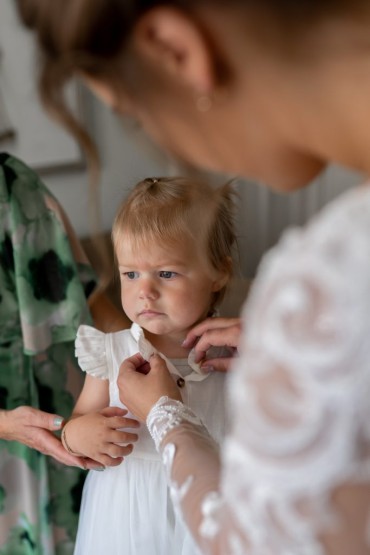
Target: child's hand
[
  {"x": 214, "y": 332},
  {"x": 99, "y": 436}
]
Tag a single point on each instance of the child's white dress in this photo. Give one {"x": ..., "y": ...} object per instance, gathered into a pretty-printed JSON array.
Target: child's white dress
[{"x": 127, "y": 509}]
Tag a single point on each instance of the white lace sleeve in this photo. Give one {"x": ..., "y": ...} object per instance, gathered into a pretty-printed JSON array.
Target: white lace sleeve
[{"x": 295, "y": 476}]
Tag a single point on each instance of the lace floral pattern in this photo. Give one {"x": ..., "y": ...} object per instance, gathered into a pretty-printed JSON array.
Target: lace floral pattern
[
  {"x": 166, "y": 415},
  {"x": 177, "y": 492},
  {"x": 296, "y": 464}
]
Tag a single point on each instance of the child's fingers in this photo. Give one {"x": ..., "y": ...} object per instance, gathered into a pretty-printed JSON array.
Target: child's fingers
[
  {"x": 122, "y": 422},
  {"x": 113, "y": 411},
  {"x": 114, "y": 454},
  {"x": 123, "y": 437},
  {"x": 118, "y": 451}
]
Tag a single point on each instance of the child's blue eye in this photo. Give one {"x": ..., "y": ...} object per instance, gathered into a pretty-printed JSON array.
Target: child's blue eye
[
  {"x": 131, "y": 275},
  {"x": 166, "y": 274}
]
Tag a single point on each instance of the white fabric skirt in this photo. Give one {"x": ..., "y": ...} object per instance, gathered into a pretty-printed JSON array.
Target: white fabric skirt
[{"x": 127, "y": 510}]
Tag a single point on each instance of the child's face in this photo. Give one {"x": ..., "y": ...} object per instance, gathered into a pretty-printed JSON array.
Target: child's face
[{"x": 166, "y": 290}]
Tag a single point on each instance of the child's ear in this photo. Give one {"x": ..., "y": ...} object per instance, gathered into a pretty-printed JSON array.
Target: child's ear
[{"x": 172, "y": 41}]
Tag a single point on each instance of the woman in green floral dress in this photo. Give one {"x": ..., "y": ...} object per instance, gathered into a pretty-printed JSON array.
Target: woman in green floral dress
[{"x": 45, "y": 281}]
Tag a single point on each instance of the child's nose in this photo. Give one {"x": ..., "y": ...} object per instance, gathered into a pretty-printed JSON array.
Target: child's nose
[{"x": 148, "y": 290}]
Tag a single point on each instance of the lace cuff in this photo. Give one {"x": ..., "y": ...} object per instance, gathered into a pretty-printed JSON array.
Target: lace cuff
[{"x": 166, "y": 415}]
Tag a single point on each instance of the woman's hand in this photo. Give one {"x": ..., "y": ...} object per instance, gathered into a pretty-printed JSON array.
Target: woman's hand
[
  {"x": 214, "y": 332},
  {"x": 142, "y": 383},
  {"x": 35, "y": 428},
  {"x": 99, "y": 435}
]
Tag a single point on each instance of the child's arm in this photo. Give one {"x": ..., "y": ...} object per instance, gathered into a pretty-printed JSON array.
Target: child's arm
[{"x": 94, "y": 431}]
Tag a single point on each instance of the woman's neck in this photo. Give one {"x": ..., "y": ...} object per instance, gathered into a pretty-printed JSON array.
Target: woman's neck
[{"x": 319, "y": 110}]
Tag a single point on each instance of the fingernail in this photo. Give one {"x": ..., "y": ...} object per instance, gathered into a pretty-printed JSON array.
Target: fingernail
[
  {"x": 58, "y": 421},
  {"x": 207, "y": 369},
  {"x": 185, "y": 343},
  {"x": 99, "y": 468}
]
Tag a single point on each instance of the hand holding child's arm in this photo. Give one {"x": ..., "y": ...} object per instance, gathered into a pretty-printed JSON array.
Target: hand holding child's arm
[
  {"x": 36, "y": 428},
  {"x": 214, "y": 332},
  {"x": 98, "y": 435}
]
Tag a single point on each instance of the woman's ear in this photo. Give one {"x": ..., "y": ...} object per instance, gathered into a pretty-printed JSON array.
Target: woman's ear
[
  {"x": 168, "y": 38},
  {"x": 224, "y": 276}
]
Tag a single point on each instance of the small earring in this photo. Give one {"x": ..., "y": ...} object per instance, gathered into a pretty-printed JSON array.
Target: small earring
[{"x": 203, "y": 103}]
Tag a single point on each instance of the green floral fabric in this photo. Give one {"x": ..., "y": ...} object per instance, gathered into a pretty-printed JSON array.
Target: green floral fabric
[{"x": 44, "y": 283}]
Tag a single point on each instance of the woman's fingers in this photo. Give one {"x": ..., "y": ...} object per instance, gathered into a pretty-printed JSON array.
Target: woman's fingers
[
  {"x": 50, "y": 445},
  {"x": 34, "y": 428},
  {"x": 139, "y": 391},
  {"x": 23, "y": 424},
  {"x": 38, "y": 418},
  {"x": 134, "y": 363},
  {"x": 217, "y": 324},
  {"x": 217, "y": 364},
  {"x": 215, "y": 332}
]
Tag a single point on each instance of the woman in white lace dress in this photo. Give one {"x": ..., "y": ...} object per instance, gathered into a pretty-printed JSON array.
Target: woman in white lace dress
[{"x": 273, "y": 90}]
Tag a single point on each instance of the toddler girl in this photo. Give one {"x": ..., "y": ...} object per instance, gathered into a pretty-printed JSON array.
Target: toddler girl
[{"x": 173, "y": 240}]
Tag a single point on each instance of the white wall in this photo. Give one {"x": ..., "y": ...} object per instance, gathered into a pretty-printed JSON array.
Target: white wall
[
  {"x": 264, "y": 215},
  {"x": 125, "y": 159}
]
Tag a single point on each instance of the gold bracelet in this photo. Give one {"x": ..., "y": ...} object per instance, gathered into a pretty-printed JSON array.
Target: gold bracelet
[{"x": 65, "y": 443}]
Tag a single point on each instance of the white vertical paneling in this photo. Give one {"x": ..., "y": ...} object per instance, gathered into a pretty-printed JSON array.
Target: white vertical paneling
[{"x": 263, "y": 215}]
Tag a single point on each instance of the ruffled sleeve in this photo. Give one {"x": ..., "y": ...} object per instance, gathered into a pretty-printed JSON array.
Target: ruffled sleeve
[{"x": 90, "y": 350}]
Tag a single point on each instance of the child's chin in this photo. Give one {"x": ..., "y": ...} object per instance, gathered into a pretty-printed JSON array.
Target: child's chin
[{"x": 156, "y": 328}]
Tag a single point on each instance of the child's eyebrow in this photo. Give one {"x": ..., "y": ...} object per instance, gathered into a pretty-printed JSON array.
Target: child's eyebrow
[
  {"x": 160, "y": 264},
  {"x": 171, "y": 263}
]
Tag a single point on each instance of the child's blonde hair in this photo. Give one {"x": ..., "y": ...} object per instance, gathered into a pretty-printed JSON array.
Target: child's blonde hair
[{"x": 169, "y": 209}]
